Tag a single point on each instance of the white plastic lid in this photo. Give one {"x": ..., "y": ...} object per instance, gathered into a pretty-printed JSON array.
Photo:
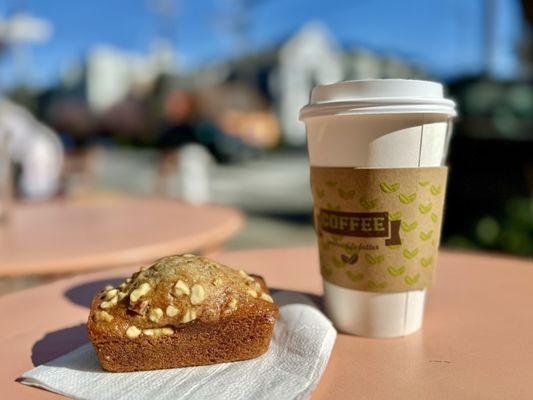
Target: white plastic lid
[{"x": 378, "y": 96}]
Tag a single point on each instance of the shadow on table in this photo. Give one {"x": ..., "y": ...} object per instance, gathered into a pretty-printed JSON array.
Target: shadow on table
[
  {"x": 57, "y": 343},
  {"x": 83, "y": 294},
  {"x": 283, "y": 296}
]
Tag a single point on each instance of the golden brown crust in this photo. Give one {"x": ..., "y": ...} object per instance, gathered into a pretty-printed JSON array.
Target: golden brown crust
[{"x": 181, "y": 311}]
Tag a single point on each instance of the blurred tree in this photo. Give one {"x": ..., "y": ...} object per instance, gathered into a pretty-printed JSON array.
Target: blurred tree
[
  {"x": 490, "y": 192},
  {"x": 526, "y": 46},
  {"x": 527, "y": 6}
]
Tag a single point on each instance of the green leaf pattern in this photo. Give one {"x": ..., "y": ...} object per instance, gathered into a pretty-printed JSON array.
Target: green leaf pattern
[
  {"x": 374, "y": 259},
  {"x": 389, "y": 188}
]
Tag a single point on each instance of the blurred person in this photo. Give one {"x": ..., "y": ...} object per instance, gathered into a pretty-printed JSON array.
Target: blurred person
[
  {"x": 192, "y": 137},
  {"x": 35, "y": 150},
  {"x": 128, "y": 122},
  {"x": 236, "y": 121},
  {"x": 178, "y": 126}
]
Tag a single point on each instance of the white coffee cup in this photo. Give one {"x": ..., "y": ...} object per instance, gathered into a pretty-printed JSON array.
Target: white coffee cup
[{"x": 379, "y": 123}]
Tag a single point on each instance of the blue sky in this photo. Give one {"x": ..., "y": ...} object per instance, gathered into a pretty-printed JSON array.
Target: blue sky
[{"x": 443, "y": 36}]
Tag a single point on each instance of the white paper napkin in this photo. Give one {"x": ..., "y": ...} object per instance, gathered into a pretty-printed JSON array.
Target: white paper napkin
[{"x": 302, "y": 342}]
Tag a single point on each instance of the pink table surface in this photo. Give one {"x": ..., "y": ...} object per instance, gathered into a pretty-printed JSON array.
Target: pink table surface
[
  {"x": 476, "y": 343},
  {"x": 78, "y": 235}
]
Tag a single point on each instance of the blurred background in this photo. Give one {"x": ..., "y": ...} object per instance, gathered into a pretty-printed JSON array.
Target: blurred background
[{"x": 199, "y": 100}]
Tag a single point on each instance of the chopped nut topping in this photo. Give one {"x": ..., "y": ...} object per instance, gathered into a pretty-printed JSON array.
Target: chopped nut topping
[
  {"x": 143, "y": 289},
  {"x": 110, "y": 303},
  {"x": 181, "y": 288},
  {"x": 246, "y": 277},
  {"x": 155, "y": 314},
  {"x": 167, "y": 330},
  {"x": 103, "y": 316},
  {"x": 172, "y": 311},
  {"x": 110, "y": 294},
  {"x": 122, "y": 286},
  {"x": 108, "y": 287},
  {"x": 232, "y": 304},
  {"x": 128, "y": 280},
  {"x": 121, "y": 295},
  {"x": 252, "y": 293},
  {"x": 217, "y": 282},
  {"x": 190, "y": 315},
  {"x": 105, "y": 304},
  {"x": 267, "y": 297},
  {"x": 132, "y": 332},
  {"x": 197, "y": 294}
]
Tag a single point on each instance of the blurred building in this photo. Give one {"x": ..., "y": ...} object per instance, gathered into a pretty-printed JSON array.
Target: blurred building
[
  {"x": 112, "y": 74},
  {"x": 308, "y": 58}
]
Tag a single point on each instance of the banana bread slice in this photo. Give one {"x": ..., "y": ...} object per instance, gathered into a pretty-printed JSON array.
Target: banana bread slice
[{"x": 182, "y": 311}]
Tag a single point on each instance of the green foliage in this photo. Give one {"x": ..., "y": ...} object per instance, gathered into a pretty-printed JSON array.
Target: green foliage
[{"x": 510, "y": 232}]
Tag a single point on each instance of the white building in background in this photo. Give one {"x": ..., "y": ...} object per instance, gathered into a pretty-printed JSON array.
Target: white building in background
[
  {"x": 309, "y": 58},
  {"x": 112, "y": 74},
  {"x": 108, "y": 77}
]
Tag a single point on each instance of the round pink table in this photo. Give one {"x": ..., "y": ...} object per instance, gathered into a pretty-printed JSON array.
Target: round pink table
[
  {"x": 477, "y": 339},
  {"x": 68, "y": 236}
]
